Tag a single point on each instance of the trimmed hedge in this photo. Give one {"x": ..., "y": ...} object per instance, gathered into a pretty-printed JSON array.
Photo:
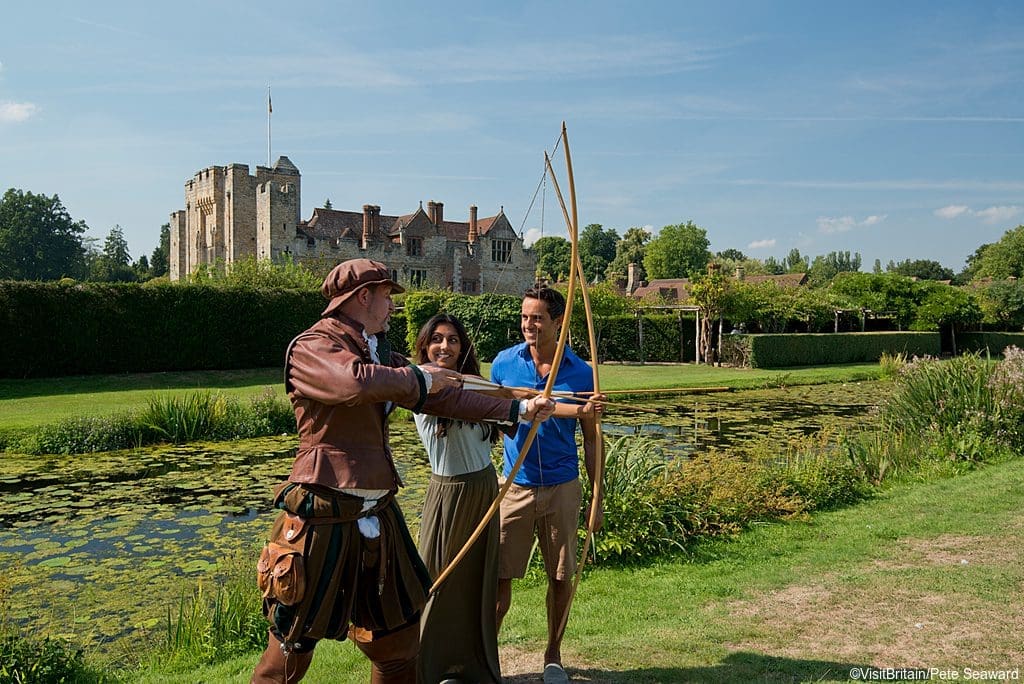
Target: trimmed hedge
[
  {"x": 618, "y": 338},
  {"x": 991, "y": 342},
  {"x": 813, "y": 349},
  {"x": 53, "y": 329},
  {"x": 492, "y": 321}
]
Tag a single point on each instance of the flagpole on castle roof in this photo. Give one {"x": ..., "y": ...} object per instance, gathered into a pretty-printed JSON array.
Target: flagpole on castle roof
[{"x": 270, "y": 110}]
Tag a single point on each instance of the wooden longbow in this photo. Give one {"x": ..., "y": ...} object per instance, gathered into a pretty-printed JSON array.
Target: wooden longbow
[
  {"x": 577, "y": 269},
  {"x": 530, "y": 436}
]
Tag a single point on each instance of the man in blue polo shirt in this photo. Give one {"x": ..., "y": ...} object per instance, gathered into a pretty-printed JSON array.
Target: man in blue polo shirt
[{"x": 546, "y": 495}]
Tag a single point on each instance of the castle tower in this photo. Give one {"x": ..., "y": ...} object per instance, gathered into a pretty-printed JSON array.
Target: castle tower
[{"x": 224, "y": 208}]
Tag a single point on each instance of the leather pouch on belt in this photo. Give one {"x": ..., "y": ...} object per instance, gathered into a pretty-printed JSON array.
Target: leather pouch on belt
[{"x": 281, "y": 572}]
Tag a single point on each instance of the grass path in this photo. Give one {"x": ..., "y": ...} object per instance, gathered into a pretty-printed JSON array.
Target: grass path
[{"x": 927, "y": 575}]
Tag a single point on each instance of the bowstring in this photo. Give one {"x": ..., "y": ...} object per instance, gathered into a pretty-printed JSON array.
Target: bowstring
[{"x": 541, "y": 185}]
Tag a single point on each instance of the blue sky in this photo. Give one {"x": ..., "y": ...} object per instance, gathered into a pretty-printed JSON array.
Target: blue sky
[{"x": 893, "y": 129}]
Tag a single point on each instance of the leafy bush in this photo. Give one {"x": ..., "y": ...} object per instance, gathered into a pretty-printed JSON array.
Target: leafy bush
[
  {"x": 87, "y": 434},
  {"x": 178, "y": 419},
  {"x": 268, "y": 414},
  {"x": 944, "y": 417},
  {"x": 25, "y": 660},
  {"x": 724, "y": 493},
  {"x": 636, "y": 525},
  {"x": 964, "y": 409},
  {"x": 653, "y": 507},
  {"x": 891, "y": 364},
  {"x": 188, "y": 417}
]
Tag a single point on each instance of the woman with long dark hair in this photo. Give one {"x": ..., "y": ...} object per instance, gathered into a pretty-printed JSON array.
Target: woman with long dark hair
[
  {"x": 458, "y": 628},
  {"x": 458, "y": 631}
]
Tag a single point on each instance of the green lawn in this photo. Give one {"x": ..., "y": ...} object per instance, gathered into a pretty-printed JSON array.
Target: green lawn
[
  {"x": 28, "y": 403},
  {"x": 924, "y": 575}
]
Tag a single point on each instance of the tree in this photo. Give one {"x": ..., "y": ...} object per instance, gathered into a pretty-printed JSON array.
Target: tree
[
  {"x": 943, "y": 304},
  {"x": 795, "y": 263},
  {"x": 327, "y": 204},
  {"x": 733, "y": 255},
  {"x": 973, "y": 262},
  {"x": 824, "y": 268},
  {"x": 711, "y": 292},
  {"x": 597, "y": 249},
  {"x": 889, "y": 293},
  {"x": 159, "y": 261},
  {"x": 679, "y": 251},
  {"x": 629, "y": 250},
  {"x": 114, "y": 262},
  {"x": 554, "y": 255},
  {"x": 1005, "y": 258},
  {"x": 774, "y": 267},
  {"x": 922, "y": 269},
  {"x": 1002, "y": 303},
  {"x": 142, "y": 269},
  {"x": 38, "y": 238}
]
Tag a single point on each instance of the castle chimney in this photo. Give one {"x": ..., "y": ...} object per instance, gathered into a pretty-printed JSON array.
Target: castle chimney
[
  {"x": 631, "y": 282},
  {"x": 367, "y": 223},
  {"x": 438, "y": 213},
  {"x": 432, "y": 211},
  {"x": 375, "y": 219},
  {"x": 472, "y": 224}
]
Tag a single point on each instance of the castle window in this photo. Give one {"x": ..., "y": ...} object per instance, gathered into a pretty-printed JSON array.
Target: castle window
[
  {"x": 417, "y": 277},
  {"x": 469, "y": 287},
  {"x": 310, "y": 242},
  {"x": 414, "y": 246},
  {"x": 394, "y": 274},
  {"x": 501, "y": 251}
]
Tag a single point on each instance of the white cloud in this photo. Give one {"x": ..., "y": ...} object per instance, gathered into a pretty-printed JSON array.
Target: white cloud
[
  {"x": 830, "y": 225},
  {"x": 998, "y": 214},
  {"x": 761, "y": 244},
  {"x": 13, "y": 112},
  {"x": 843, "y": 224},
  {"x": 951, "y": 211},
  {"x": 531, "y": 236}
]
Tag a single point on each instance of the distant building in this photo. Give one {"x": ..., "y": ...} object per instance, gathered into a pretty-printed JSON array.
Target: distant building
[
  {"x": 678, "y": 289},
  {"x": 230, "y": 215}
]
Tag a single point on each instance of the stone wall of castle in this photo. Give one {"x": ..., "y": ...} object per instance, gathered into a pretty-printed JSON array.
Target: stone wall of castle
[
  {"x": 221, "y": 216},
  {"x": 230, "y": 215}
]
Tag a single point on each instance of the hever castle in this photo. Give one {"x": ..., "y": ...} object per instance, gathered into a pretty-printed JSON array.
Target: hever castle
[{"x": 231, "y": 215}]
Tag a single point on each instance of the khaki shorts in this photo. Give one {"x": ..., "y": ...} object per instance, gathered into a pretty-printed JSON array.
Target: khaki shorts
[{"x": 550, "y": 513}]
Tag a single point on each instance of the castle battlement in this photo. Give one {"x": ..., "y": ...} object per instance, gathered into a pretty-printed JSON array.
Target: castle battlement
[{"x": 231, "y": 214}]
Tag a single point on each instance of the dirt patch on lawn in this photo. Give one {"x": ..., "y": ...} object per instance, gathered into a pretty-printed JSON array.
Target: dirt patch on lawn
[
  {"x": 898, "y": 611},
  {"x": 950, "y": 549}
]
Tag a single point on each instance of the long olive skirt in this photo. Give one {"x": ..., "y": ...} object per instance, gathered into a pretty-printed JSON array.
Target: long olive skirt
[{"x": 458, "y": 631}]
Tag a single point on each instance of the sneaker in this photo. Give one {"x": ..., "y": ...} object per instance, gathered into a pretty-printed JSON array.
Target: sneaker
[{"x": 555, "y": 674}]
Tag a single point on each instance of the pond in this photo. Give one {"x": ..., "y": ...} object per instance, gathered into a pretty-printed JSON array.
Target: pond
[{"x": 97, "y": 548}]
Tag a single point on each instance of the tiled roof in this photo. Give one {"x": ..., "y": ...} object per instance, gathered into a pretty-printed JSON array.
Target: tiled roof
[
  {"x": 679, "y": 288},
  {"x": 332, "y": 224}
]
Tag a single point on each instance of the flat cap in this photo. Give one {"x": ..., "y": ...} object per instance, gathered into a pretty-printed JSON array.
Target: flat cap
[{"x": 349, "y": 277}]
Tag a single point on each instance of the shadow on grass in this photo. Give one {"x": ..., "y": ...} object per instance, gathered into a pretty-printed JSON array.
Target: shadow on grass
[
  {"x": 171, "y": 380},
  {"x": 741, "y": 667}
]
